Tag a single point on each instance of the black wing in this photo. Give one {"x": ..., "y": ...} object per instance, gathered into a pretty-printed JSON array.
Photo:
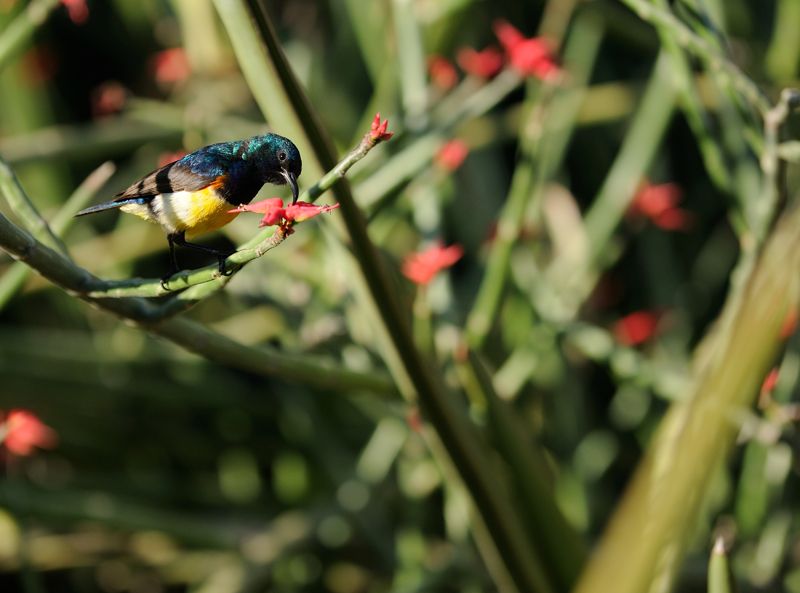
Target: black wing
[{"x": 177, "y": 176}]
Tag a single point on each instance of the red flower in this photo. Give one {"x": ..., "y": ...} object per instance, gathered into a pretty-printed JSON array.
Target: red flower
[
  {"x": 636, "y": 328},
  {"x": 770, "y": 381},
  {"x": 22, "y": 432},
  {"x": 275, "y": 213},
  {"x": 658, "y": 203},
  {"x": 77, "y": 10},
  {"x": 108, "y": 98},
  {"x": 171, "y": 65},
  {"x": 529, "y": 57},
  {"x": 451, "y": 155},
  {"x": 39, "y": 65},
  {"x": 483, "y": 64},
  {"x": 378, "y": 131},
  {"x": 789, "y": 325},
  {"x": 421, "y": 267},
  {"x": 165, "y": 158},
  {"x": 442, "y": 72}
]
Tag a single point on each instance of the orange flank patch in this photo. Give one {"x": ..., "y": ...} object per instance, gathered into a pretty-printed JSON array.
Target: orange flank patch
[{"x": 206, "y": 211}]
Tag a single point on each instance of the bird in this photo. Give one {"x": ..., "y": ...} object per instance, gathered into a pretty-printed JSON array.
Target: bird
[{"x": 197, "y": 193}]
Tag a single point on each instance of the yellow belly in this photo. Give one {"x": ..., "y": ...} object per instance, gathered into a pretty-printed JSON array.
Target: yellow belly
[{"x": 194, "y": 213}]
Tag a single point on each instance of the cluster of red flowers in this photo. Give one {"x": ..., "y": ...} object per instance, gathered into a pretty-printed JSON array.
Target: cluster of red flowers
[
  {"x": 378, "y": 131},
  {"x": 21, "y": 432},
  {"x": 659, "y": 205},
  {"x": 275, "y": 213},
  {"x": 528, "y": 56}
]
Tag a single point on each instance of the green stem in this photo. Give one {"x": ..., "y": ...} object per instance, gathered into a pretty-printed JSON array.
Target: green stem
[
  {"x": 193, "y": 336},
  {"x": 457, "y": 434},
  {"x": 703, "y": 49},
  {"x": 720, "y": 579},
  {"x": 641, "y": 142},
  {"x": 21, "y": 29},
  {"x": 21, "y": 205},
  {"x": 693, "y": 109},
  {"x": 15, "y": 277},
  {"x": 671, "y": 485}
]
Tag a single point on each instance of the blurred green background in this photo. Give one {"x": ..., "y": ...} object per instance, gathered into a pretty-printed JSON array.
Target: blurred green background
[{"x": 175, "y": 473}]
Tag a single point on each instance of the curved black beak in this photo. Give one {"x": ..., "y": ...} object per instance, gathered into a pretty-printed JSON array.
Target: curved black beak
[{"x": 292, "y": 181}]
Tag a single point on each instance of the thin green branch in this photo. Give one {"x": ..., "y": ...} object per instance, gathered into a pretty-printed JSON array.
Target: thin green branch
[
  {"x": 16, "y": 276},
  {"x": 694, "y": 110},
  {"x": 21, "y": 205},
  {"x": 21, "y": 29},
  {"x": 192, "y": 336},
  {"x": 559, "y": 545},
  {"x": 715, "y": 61}
]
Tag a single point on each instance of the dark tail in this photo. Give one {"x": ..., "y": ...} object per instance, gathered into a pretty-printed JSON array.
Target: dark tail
[{"x": 112, "y": 205}]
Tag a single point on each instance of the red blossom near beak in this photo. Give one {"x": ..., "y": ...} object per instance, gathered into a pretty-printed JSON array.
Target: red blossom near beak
[
  {"x": 443, "y": 74},
  {"x": 171, "y": 65},
  {"x": 658, "y": 203},
  {"x": 450, "y": 156},
  {"x": 300, "y": 211},
  {"x": 275, "y": 213},
  {"x": 482, "y": 64},
  {"x": 77, "y": 10},
  {"x": 636, "y": 328},
  {"x": 22, "y": 432},
  {"x": 528, "y": 56},
  {"x": 378, "y": 131},
  {"x": 422, "y": 267}
]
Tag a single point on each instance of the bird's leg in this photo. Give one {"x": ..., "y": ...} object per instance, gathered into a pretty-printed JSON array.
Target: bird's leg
[
  {"x": 180, "y": 239},
  {"x": 172, "y": 240}
]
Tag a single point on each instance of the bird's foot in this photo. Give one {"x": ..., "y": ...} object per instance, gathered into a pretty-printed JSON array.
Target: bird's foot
[
  {"x": 165, "y": 279},
  {"x": 222, "y": 259}
]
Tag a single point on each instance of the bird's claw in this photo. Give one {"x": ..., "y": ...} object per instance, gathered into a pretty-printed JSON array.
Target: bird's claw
[{"x": 222, "y": 270}]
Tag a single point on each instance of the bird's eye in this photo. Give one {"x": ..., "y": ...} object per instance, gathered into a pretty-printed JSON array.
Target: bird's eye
[{"x": 281, "y": 156}]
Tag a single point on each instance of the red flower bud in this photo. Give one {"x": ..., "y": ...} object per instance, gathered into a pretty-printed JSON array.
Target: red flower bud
[{"x": 378, "y": 131}]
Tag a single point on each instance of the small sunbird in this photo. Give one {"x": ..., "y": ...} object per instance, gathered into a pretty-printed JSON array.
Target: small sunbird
[{"x": 196, "y": 193}]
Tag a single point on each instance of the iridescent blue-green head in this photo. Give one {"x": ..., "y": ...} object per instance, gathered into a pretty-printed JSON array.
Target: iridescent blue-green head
[{"x": 277, "y": 159}]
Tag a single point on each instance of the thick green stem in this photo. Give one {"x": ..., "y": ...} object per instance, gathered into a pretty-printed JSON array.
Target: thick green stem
[
  {"x": 651, "y": 527},
  {"x": 193, "y": 336},
  {"x": 459, "y": 437}
]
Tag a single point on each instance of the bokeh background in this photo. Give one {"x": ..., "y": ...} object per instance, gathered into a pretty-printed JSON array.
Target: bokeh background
[{"x": 631, "y": 201}]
